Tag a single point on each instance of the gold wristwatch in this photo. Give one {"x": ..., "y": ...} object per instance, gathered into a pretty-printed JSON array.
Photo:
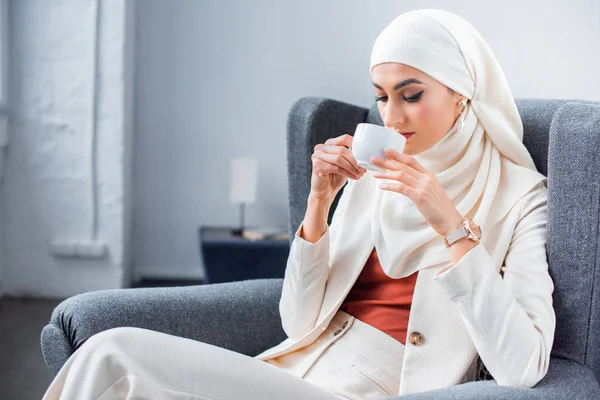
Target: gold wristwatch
[{"x": 468, "y": 228}]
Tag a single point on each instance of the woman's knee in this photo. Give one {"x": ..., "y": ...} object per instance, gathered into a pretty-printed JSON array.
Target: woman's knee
[{"x": 106, "y": 342}]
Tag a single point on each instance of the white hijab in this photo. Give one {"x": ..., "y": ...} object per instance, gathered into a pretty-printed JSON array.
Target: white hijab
[{"x": 470, "y": 165}]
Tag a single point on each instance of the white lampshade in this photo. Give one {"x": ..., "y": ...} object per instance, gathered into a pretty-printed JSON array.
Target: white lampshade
[{"x": 242, "y": 187}]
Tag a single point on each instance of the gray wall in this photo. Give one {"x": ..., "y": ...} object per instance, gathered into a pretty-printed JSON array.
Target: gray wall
[{"x": 216, "y": 79}]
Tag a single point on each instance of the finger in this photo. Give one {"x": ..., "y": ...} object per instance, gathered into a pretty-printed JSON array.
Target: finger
[
  {"x": 400, "y": 176},
  {"x": 399, "y": 188},
  {"x": 343, "y": 140},
  {"x": 393, "y": 165},
  {"x": 340, "y": 161},
  {"x": 347, "y": 154},
  {"x": 405, "y": 159},
  {"x": 327, "y": 169},
  {"x": 334, "y": 160}
]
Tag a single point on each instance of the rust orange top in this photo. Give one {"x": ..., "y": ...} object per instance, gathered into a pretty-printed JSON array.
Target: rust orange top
[{"x": 381, "y": 301}]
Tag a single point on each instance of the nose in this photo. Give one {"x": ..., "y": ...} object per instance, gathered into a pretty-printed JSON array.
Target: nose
[{"x": 393, "y": 116}]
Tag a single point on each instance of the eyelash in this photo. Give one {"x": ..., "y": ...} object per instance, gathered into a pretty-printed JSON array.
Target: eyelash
[{"x": 410, "y": 99}]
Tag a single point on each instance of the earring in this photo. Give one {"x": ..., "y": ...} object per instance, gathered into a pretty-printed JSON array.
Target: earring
[{"x": 461, "y": 122}]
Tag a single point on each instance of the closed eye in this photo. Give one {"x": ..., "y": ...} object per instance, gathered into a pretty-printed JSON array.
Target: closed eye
[{"x": 410, "y": 99}]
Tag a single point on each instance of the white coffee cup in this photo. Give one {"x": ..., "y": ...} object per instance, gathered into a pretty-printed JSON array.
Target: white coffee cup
[{"x": 370, "y": 140}]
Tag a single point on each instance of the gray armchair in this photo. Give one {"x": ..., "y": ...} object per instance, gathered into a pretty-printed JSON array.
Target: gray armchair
[{"x": 563, "y": 137}]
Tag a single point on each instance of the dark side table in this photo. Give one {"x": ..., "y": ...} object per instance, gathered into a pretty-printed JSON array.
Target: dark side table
[{"x": 228, "y": 257}]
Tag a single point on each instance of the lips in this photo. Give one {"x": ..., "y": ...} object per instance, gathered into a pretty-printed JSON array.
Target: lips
[{"x": 407, "y": 135}]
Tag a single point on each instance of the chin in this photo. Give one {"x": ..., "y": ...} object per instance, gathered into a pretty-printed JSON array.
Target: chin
[{"x": 408, "y": 151}]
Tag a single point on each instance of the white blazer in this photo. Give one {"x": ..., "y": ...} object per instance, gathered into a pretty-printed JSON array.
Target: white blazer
[{"x": 496, "y": 302}]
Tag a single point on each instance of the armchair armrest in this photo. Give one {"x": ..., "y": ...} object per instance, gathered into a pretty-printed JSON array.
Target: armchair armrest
[{"x": 241, "y": 316}]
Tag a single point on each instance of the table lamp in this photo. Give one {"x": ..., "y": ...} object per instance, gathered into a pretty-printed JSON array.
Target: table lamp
[{"x": 242, "y": 188}]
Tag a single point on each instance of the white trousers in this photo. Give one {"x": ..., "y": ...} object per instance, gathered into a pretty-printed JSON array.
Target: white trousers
[
  {"x": 359, "y": 362},
  {"x": 351, "y": 359}
]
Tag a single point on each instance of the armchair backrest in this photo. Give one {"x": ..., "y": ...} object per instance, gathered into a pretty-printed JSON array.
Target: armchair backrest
[{"x": 563, "y": 137}]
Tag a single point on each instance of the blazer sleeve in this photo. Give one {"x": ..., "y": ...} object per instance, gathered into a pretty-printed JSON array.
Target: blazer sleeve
[
  {"x": 306, "y": 275},
  {"x": 510, "y": 319}
]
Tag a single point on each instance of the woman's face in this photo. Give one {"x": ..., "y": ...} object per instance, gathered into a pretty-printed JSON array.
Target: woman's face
[{"x": 411, "y": 101}]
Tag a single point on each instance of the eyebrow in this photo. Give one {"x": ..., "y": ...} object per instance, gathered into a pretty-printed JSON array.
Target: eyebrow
[{"x": 400, "y": 84}]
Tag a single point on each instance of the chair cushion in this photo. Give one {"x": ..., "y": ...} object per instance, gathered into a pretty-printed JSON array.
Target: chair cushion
[{"x": 564, "y": 380}]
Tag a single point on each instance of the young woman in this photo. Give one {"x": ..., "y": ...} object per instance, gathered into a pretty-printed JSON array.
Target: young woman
[{"x": 429, "y": 270}]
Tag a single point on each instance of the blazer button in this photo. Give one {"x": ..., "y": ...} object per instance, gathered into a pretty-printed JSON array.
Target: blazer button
[
  {"x": 345, "y": 324},
  {"x": 337, "y": 332},
  {"x": 415, "y": 338}
]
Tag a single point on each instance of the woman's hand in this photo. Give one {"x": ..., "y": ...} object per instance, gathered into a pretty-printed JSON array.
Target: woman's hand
[
  {"x": 332, "y": 165},
  {"x": 422, "y": 187}
]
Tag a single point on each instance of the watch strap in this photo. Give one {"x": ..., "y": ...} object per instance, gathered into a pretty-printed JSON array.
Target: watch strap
[{"x": 458, "y": 234}]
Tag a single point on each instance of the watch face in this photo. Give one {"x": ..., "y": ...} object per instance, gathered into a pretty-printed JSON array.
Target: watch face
[{"x": 474, "y": 228}]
